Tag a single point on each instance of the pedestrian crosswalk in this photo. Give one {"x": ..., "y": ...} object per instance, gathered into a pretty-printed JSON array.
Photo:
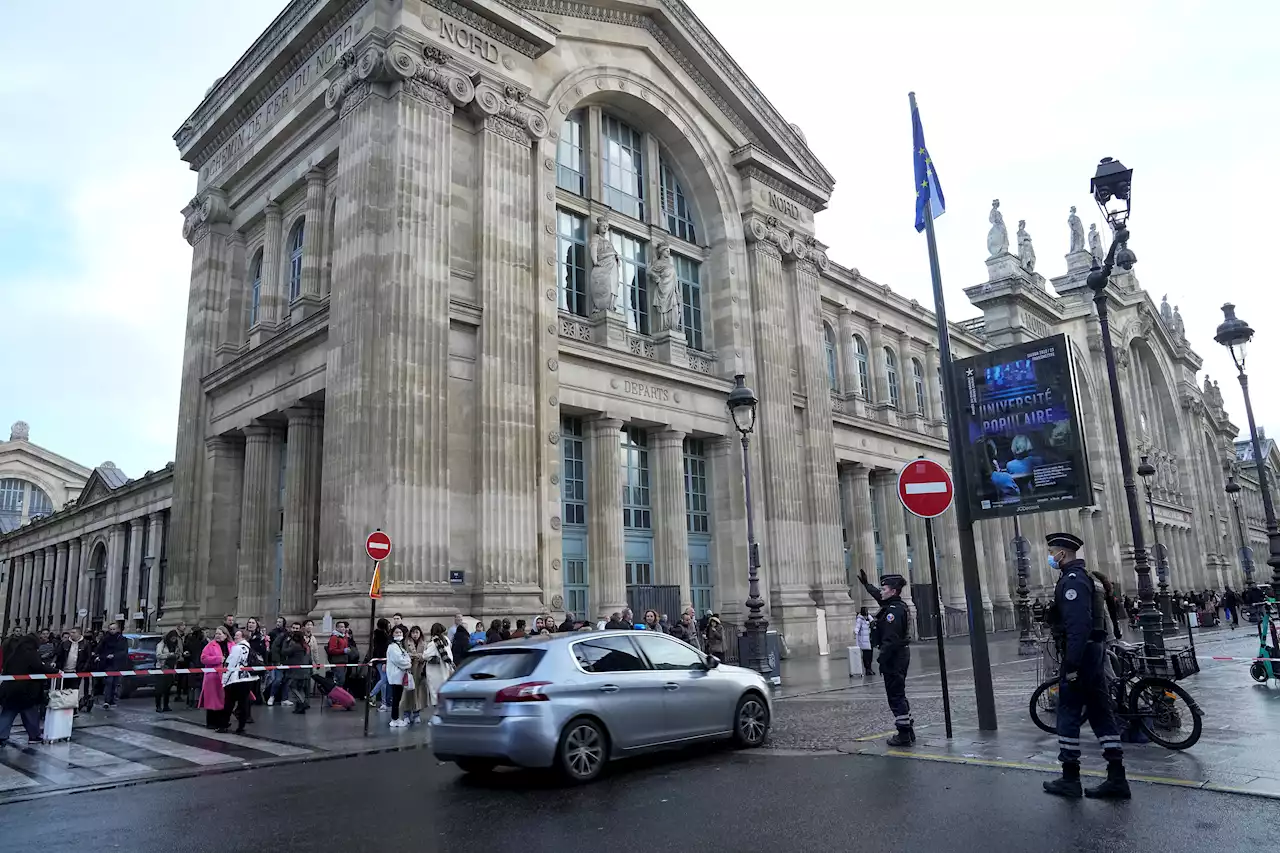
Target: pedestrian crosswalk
[{"x": 109, "y": 753}]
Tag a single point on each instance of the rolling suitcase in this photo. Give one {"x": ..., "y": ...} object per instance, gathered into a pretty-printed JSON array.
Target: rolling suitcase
[{"x": 341, "y": 698}]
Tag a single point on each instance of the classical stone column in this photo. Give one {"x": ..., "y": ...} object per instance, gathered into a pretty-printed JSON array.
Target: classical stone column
[
  {"x": 44, "y": 572},
  {"x": 57, "y": 618},
  {"x": 82, "y": 585},
  {"x": 729, "y": 527},
  {"x": 852, "y": 380},
  {"x": 273, "y": 304},
  {"x": 824, "y": 556},
  {"x": 605, "y": 554},
  {"x": 134, "y": 568},
  {"x": 207, "y": 228},
  {"x": 893, "y": 530},
  {"x": 933, "y": 390},
  {"x": 670, "y": 536},
  {"x": 24, "y": 592},
  {"x": 913, "y": 414},
  {"x": 301, "y": 498},
  {"x": 386, "y": 422},
  {"x": 948, "y": 533},
  {"x": 855, "y": 484},
  {"x": 780, "y": 476},
  {"x": 508, "y": 487},
  {"x": 255, "y": 581},
  {"x": 308, "y": 301},
  {"x": 155, "y": 538},
  {"x": 115, "y": 573},
  {"x": 70, "y": 606},
  {"x": 883, "y": 406},
  {"x": 225, "y": 486}
]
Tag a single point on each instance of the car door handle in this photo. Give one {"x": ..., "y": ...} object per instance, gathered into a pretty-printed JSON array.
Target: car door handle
[
  {"x": 609, "y": 688},
  {"x": 671, "y": 685}
]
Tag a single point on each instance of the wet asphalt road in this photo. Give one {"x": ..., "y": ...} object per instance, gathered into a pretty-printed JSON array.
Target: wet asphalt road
[{"x": 714, "y": 799}]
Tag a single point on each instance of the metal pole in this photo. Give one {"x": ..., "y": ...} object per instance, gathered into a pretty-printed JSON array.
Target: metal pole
[
  {"x": 373, "y": 609},
  {"x": 757, "y": 623},
  {"x": 1273, "y": 534},
  {"x": 982, "y": 685},
  {"x": 1027, "y": 644},
  {"x": 1148, "y": 613},
  {"x": 937, "y": 618},
  {"x": 1246, "y": 553},
  {"x": 1167, "y": 625}
]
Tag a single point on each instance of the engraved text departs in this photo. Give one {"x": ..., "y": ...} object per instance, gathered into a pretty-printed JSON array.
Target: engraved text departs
[
  {"x": 647, "y": 391},
  {"x": 471, "y": 42}
]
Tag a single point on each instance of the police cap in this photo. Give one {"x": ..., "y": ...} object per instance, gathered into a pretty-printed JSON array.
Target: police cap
[
  {"x": 1067, "y": 541},
  {"x": 893, "y": 582}
]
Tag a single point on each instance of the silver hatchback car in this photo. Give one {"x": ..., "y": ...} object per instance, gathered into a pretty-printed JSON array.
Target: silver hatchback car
[{"x": 575, "y": 701}]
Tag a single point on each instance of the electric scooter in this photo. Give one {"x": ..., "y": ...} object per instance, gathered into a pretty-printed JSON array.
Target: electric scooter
[{"x": 1268, "y": 644}]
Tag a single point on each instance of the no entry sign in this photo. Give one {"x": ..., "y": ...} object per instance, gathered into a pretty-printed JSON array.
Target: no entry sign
[
  {"x": 378, "y": 546},
  {"x": 925, "y": 488}
]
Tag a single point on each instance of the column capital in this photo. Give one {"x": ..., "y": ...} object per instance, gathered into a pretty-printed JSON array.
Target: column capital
[
  {"x": 257, "y": 431},
  {"x": 504, "y": 112},
  {"x": 668, "y": 437},
  {"x": 423, "y": 73},
  {"x": 272, "y": 210},
  {"x": 304, "y": 414},
  {"x": 220, "y": 443},
  {"x": 136, "y": 523},
  {"x": 315, "y": 176},
  {"x": 156, "y": 516},
  {"x": 49, "y": 550},
  {"x": 603, "y": 424},
  {"x": 62, "y": 546}
]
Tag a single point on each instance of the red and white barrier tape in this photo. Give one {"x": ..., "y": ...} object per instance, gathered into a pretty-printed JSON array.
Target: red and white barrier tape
[{"x": 191, "y": 671}]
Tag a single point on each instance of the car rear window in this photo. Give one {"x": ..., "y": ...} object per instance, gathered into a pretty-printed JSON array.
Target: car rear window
[{"x": 499, "y": 665}]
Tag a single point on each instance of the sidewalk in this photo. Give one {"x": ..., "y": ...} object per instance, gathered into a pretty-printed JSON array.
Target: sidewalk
[
  {"x": 132, "y": 743},
  {"x": 1239, "y": 749}
]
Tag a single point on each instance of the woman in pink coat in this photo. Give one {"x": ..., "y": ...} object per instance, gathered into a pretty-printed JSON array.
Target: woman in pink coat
[{"x": 212, "y": 697}]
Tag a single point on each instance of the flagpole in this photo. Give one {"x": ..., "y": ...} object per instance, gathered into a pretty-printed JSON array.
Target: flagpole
[{"x": 983, "y": 689}]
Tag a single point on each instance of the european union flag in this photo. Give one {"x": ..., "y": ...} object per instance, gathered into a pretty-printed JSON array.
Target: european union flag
[{"x": 928, "y": 188}]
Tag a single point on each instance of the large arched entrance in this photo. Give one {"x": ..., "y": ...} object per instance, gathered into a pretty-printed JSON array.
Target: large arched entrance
[{"x": 97, "y": 586}]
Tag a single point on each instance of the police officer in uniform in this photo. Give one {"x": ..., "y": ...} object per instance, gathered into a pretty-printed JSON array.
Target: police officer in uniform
[
  {"x": 895, "y": 652},
  {"x": 1081, "y": 610}
]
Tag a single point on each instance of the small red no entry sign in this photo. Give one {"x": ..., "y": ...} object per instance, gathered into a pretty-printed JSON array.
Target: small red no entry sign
[{"x": 925, "y": 488}]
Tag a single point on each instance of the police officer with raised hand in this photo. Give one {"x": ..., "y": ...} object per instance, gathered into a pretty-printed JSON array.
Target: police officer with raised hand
[
  {"x": 895, "y": 652},
  {"x": 1082, "y": 616}
]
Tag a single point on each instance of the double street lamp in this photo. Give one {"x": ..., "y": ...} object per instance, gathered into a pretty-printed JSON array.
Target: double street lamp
[
  {"x": 1246, "y": 553},
  {"x": 742, "y": 408},
  {"x": 1146, "y": 471},
  {"x": 1112, "y": 187},
  {"x": 1235, "y": 334}
]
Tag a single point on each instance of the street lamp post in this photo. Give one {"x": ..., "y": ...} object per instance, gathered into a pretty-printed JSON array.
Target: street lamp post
[
  {"x": 1027, "y": 644},
  {"x": 1235, "y": 334},
  {"x": 1246, "y": 553},
  {"x": 742, "y": 408},
  {"x": 1111, "y": 188},
  {"x": 1146, "y": 471}
]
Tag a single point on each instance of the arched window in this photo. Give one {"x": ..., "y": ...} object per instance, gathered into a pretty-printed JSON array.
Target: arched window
[
  {"x": 255, "y": 289},
  {"x": 296, "y": 238},
  {"x": 622, "y": 161},
  {"x": 15, "y": 494},
  {"x": 674, "y": 205},
  {"x": 41, "y": 505},
  {"x": 864, "y": 369},
  {"x": 917, "y": 376},
  {"x": 829, "y": 342},
  {"x": 569, "y": 172},
  {"x": 891, "y": 371}
]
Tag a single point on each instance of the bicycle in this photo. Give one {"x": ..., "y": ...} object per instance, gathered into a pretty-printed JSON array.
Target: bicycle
[{"x": 1140, "y": 695}]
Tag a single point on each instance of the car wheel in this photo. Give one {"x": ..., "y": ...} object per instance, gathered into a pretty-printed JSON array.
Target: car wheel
[
  {"x": 751, "y": 721},
  {"x": 582, "y": 751},
  {"x": 476, "y": 765}
]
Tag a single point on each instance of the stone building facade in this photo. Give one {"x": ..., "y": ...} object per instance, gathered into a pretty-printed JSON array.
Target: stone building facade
[
  {"x": 480, "y": 274},
  {"x": 108, "y": 533}
]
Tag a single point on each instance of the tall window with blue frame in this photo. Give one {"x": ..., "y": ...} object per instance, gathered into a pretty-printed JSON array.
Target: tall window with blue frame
[
  {"x": 637, "y": 517},
  {"x": 572, "y": 241},
  {"x": 891, "y": 374},
  {"x": 255, "y": 289},
  {"x": 622, "y": 156},
  {"x": 829, "y": 344},
  {"x": 698, "y": 525},
  {"x": 569, "y": 156},
  {"x": 297, "y": 235},
  {"x": 689, "y": 275},
  {"x": 864, "y": 369},
  {"x": 633, "y": 261},
  {"x": 573, "y": 512},
  {"x": 674, "y": 204}
]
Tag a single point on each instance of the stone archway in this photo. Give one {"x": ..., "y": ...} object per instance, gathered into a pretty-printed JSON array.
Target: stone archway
[{"x": 97, "y": 597}]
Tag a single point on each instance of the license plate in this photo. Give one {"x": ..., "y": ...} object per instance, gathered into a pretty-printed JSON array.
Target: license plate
[{"x": 466, "y": 706}]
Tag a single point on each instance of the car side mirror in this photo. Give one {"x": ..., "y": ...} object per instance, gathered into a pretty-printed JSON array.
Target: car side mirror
[{"x": 712, "y": 662}]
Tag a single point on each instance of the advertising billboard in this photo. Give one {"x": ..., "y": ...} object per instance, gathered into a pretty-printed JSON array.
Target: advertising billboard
[{"x": 1023, "y": 442}]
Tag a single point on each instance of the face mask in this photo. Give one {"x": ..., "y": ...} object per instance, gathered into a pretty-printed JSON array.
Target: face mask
[{"x": 1053, "y": 562}]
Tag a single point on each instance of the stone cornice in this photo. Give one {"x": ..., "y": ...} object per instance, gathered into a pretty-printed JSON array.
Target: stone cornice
[
  {"x": 753, "y": 162},
  {"x": 280, "y": 30},
  {"x": 424, "y": 73},
  {"x": 517, "y": 30}
]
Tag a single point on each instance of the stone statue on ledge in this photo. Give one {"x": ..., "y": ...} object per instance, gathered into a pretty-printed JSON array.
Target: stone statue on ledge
[
  {"x": 1095, "y": 244},
  {"x": 998, "y": 236},
  {"x": 1179, "y": 329},
  {"x": 1217, "y": 399},
  {"x": 604, "y": 270},
  {"x": 1026, "y": 253},
  {"x": 1166, "y": 313},
  {"x": 664, "y": 294},
  {"x": 1077, "y": 231}
]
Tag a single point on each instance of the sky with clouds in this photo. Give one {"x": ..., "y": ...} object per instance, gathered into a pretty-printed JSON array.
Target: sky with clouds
[{"x": 1017, "y": 105}]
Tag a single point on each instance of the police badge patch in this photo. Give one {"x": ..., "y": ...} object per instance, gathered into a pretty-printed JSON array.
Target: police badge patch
[
  {"x": 888, "y": 617},
  {"x": 1071, "y": 595}
]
